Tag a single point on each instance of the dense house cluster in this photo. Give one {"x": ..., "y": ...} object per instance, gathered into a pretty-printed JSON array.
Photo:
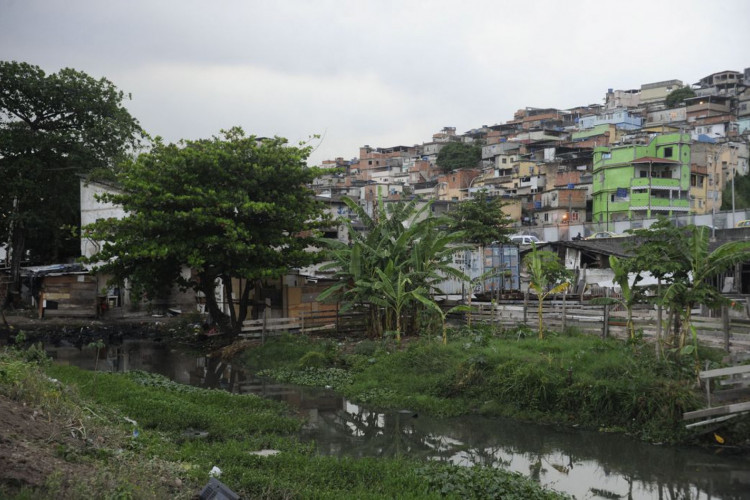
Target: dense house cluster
[{"x": 634, "y": 157}]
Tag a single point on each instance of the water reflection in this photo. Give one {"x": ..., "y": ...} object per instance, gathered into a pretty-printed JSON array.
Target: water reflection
[{"x": 584, "y": 464}]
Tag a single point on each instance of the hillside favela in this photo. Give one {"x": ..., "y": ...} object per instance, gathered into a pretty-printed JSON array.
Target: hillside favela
[
  {"x": 670, "y": 148},
  {"x": 552, "y": 306}
]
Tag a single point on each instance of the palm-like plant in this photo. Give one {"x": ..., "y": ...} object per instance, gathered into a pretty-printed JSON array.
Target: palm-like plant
[
  {"x": 694, "y": 287},
  {"x": 402, "y": 256},
  {"x": 630, "y": 295},
  {"x": 548, "y": 277}
]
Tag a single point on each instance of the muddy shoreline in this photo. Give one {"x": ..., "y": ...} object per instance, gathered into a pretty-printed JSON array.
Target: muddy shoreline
[{"x": 80, "y": 332}]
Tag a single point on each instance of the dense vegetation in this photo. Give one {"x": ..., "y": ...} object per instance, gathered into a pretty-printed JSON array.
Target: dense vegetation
[
  {"x": 142, "y": 436},
  {"x": 54, "y": 127},
  {"x": 458, "y": 155},
  {"x": 214, "y": 206},
  {"x": 570, "y": 379}
]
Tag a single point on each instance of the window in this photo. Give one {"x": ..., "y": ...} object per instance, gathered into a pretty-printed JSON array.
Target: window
[
  {"x": 505, "y": 160},
  {"x": 643, "y": 173},
  {"x": 668, "y": 152}
]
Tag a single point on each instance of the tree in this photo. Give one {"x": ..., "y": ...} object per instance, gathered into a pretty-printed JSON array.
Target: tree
[
  {"x": 677, "y": 97},
  {"x": 482, "y": 219},
  {"x": 548, "y": 276},
  {"x": 659, "y": 250},
  {"x": 680, "y": 258},
  {"x": 741, "y": 193},
  {"x": 232, "y": 206},
  {"x": 695, "y": 287},
  {"x": 396, "y": 264},
  {"x": 458, "y": 155},
  {"x": 53, "y": 127}
]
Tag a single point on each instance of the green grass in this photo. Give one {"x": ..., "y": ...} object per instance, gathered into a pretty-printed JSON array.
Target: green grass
[
  {"x": 572, "y": 378},
  {"x": 128, "y": 465}
]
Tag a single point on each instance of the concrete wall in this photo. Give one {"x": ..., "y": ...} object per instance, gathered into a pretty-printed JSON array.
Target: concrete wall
[{"x": 93, "y": 210}]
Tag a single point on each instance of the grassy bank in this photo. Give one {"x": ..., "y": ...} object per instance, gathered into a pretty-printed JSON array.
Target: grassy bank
[
  {"x": 571, "y": 379},
  {"x": 142, "y": 436}
]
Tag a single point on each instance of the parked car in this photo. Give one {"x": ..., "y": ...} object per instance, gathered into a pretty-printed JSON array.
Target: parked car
[
  {"x": 744, "y": 223},
  {"x": 602, "y": 234},
  {"x": 526, "y": 239}
]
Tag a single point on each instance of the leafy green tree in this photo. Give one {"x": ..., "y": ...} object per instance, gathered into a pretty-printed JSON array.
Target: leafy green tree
[
  {"x": 741, "y": 194},
  {"x": 401, "y": 257},
  {"x": 680, "y": 258},
  {"x": 233, "y": 206},
  {"x": 677, "y": 97},
  {"x": 659, "y": 250},
  {"x": 53, "y": 127},
  {"x": 458, "y": 155},
  {"x": 695, "y": 287},
  {"x": 548, "y": 277},
  {"x": 482, "y": 219}
]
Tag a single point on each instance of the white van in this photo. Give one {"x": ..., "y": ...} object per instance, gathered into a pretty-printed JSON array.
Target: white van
[{"x": 525, "y": 239}]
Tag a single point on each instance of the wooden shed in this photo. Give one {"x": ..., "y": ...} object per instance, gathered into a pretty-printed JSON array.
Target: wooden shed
[{"x": 62, "y": 290}]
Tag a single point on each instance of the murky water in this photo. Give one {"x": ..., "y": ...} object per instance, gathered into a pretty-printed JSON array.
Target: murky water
[{"x": 585, "y": 464}]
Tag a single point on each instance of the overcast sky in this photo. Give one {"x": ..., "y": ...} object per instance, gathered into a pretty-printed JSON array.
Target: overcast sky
[{"x": 382, "y": 73}]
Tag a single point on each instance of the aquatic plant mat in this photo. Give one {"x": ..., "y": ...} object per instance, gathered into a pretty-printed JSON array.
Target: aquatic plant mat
[
  {"x": 571, "y": 378},
  {"x": 70, "y": 433}
]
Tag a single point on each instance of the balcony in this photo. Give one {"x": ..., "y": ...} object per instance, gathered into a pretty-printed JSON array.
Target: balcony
[
  {"x": 642, "y": 201},
  {"x": 654, "y": 182}
]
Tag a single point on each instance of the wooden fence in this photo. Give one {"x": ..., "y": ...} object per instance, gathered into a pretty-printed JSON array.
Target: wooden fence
[
  {"x": 722, "y": 329},
  {"x": 327, "y": 321},
  {"x": 727, "y": 331}
]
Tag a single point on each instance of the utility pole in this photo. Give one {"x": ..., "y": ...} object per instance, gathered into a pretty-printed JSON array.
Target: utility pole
[{"x": 734, "y": 173}]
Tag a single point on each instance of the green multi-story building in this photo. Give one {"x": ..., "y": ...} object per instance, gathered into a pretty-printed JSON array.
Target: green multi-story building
[{"x": 642, "y": 180}]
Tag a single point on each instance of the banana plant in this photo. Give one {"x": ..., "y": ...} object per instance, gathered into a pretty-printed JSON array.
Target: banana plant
[
  {"x": 548, "y": 277},
  {"x": 403, "y": 252},
  {"x": 630, "y": 295},
  {"x": 434, "y": 306}
]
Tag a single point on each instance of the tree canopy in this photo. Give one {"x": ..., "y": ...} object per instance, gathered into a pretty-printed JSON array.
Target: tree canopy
[
  {"x": 482, "y": 219},
  {"x": 53, "y": 127},
  {"x": 457, "y": 155},
  {"x": 741, "y": 193},
  {"x": 680, "y": 258},
  {"x": 677, "y": 97},
  {"x": 233, "y": 206}
]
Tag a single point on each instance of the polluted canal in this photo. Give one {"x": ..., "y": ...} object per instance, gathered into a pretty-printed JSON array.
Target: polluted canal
[{"x": 582, "y": 463}]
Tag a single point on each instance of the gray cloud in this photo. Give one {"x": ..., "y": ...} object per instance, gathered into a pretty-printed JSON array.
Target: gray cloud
[{"x": 368, "y": 72}]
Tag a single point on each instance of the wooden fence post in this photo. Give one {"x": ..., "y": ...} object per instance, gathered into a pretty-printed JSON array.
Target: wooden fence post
[
  {"x": 605, "y": 327},
  {"x": 725, "y": 325},
  {"x": 525, "y": 306},
  {"x": 265, "y": 322}
]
